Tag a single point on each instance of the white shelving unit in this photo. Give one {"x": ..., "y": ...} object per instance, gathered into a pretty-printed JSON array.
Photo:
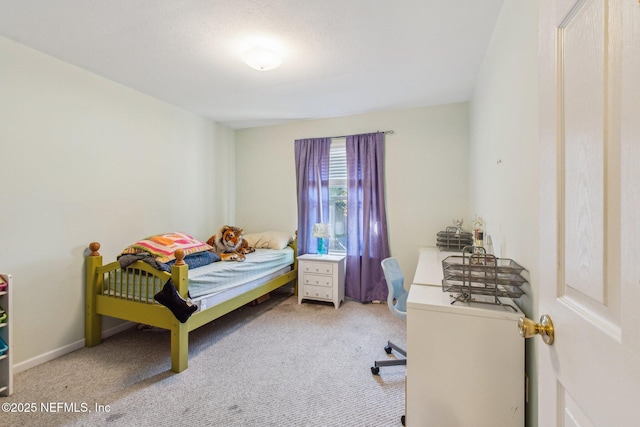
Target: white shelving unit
[{"x": 6, "y": 359}]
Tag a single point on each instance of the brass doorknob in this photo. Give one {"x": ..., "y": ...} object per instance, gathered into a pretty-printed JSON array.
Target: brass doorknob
[{"x": 528, "y": 328}]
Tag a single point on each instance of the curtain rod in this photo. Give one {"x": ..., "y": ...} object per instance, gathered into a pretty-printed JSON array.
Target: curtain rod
[{"x": 386, "y": 132}]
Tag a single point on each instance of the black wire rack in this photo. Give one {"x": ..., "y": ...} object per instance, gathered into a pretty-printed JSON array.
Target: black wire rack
[
  {"x": 453, "y": 239},
  {"x": 477, "y": 273}
]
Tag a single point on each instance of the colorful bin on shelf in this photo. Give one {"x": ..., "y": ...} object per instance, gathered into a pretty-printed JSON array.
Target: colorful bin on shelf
[{"x": 3, "y": 347}]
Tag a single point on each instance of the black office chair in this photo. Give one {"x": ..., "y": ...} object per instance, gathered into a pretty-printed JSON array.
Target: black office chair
[{"x": 397, "y": 301}]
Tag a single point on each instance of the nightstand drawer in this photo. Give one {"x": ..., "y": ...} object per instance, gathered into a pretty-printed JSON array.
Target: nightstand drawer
[
  {"x": 314, "y": 279},
  {"x": 317, "y": 267},
  {"x": 317, "y": 292}
]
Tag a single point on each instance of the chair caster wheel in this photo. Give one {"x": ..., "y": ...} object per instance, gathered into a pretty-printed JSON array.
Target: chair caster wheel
[
  {"x": 387, "y": 349},
  {"x": 375, "y": 370},
  {"x": 402, "y": 420}
]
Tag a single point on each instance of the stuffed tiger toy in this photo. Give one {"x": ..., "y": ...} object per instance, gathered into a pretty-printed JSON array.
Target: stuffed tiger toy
[{"x": 229, "y": 244}]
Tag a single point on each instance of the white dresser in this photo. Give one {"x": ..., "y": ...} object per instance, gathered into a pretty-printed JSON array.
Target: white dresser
[
  {"x": 321, "y": 278},
  {"x": 465, "y": 361}
]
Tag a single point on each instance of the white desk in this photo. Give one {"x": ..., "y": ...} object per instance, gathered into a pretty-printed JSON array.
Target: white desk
[
  {"x": 465, "y": 363},
  {"x": 429, "y": 269}
]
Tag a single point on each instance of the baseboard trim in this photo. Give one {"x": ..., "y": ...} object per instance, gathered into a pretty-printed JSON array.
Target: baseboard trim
[{"x": 54, "y": 354}]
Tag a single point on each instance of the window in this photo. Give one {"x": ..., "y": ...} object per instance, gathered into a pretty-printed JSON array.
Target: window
[
  {"x": 328, "y": 192},
  {"x": 338, "y": 196}
]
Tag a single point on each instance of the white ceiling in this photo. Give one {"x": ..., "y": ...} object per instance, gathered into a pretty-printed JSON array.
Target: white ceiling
[{"x": 340, "y": 57}]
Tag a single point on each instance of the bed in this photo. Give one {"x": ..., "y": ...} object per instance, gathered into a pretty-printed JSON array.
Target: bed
[{"x": 127, "y": 292}]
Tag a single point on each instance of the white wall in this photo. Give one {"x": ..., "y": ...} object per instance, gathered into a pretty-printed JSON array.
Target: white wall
[
  {"x": 504, "y": 151},
  {"x": 86, "y": 159},
  {"x": 426, "y": 173}
]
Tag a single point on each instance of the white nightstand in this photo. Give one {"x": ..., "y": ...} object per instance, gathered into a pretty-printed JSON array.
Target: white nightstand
[{"x": 321, "y": 278}]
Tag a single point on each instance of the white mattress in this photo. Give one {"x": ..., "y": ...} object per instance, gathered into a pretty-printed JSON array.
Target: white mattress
[
  {"x": 223, "y": 275},
  {"x": 210, "y": 284},
  {"x": 210, "y": 300}
]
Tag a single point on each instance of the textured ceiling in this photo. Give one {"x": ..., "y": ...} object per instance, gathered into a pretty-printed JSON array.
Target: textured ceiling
[{"x": 340, "y": 57}]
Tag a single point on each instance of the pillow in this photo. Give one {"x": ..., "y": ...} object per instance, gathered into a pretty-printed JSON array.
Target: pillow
[
  {"x": 268, "y": 240},
  {"x": 163, "y": 246}
]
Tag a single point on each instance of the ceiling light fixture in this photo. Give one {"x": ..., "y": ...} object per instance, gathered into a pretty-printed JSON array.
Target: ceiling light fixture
[{"x": 261, "y": 59}]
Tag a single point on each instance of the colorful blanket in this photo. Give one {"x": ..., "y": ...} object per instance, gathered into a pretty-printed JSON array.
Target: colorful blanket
[{"x": 163, "y": 246}]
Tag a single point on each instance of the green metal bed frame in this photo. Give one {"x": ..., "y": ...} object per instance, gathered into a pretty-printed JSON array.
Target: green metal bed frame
[{"x": 149, "y": 312}]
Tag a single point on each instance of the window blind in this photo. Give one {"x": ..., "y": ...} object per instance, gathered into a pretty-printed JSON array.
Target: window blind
[{"x": 338, "y": 162}]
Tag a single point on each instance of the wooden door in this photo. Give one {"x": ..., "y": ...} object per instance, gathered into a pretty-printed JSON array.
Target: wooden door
[{"x": 590, "y": 212}]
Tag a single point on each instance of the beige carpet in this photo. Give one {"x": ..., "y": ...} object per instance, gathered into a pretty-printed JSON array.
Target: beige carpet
[{"x": 275, "y": 364}]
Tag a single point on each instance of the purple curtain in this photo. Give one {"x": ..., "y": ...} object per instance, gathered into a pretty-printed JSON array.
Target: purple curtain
[
  {"x": 312, "y": 180},
  {"x": 367, "y": 241}
]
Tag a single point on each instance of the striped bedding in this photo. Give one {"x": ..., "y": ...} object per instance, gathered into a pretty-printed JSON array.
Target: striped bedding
[
  {"x": 207, "y": 280},
  {"x": 219, "y": 276}
]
